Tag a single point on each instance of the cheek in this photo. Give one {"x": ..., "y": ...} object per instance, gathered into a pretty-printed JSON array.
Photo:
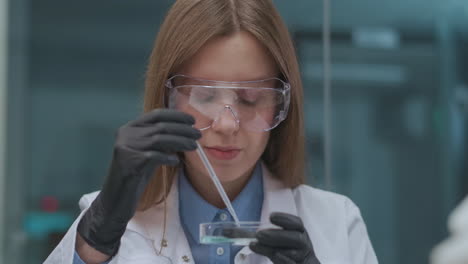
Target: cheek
[
  {"x": 201, "y": 116},
  {"x": 267, "y": 115},
  {"x": 257, "y": 143},
  {"x": 193, "y": 159}
]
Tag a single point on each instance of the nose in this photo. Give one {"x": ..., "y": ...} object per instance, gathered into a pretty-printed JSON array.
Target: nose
[{"x": 227, "y": 121}]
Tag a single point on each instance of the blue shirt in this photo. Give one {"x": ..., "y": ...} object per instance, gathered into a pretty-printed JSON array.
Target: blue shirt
[
  {"x": 194, "y": 210},
  {"x": 78, "y": 260}
]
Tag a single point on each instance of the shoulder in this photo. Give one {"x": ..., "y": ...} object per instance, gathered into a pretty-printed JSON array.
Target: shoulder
[
  {"x": 335, "y": 224},
  {"x": 321, "y": 197},
  {"x": 87, "y": 199},
  {"x": 324, "y": 203}
]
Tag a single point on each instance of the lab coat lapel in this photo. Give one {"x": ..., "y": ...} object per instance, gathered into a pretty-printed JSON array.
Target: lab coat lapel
[
  {"x": 276, "y": 198},
  {"x": 169, "y": 242},
  {"x": 149, "y": 223}
]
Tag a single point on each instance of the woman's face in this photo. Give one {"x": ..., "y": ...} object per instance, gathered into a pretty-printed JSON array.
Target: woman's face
[{"x": 232, "y": 150}]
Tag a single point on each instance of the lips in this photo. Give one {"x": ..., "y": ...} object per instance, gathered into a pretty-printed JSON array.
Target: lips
[{"x": 223, "y": 152}]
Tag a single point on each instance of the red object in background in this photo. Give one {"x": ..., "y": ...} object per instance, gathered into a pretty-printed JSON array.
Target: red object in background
[{"x": 49, "y": 204}]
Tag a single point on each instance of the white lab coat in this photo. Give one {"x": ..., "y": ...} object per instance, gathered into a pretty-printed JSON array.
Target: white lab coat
[{"x": 333, "y": 222}]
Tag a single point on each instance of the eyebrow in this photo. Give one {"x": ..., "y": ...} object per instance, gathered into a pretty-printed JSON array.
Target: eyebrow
[{"x": 257, "y": 78}]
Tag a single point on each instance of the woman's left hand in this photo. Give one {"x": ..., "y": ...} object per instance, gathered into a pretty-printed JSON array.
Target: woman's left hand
[{"x": 290, "y": 245}]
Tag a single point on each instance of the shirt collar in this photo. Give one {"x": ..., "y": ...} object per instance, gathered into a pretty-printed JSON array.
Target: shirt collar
[{"x": 195, "y": 210}]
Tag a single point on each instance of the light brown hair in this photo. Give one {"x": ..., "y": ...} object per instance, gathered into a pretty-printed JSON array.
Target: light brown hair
[{"x": 188, "y": 25}]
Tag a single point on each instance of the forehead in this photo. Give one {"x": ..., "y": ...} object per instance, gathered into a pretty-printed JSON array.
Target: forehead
[{"x": 237, "y": 57}]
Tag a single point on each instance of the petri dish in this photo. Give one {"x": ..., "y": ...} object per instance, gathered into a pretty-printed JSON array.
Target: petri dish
[{"x": 229, "y": 232}]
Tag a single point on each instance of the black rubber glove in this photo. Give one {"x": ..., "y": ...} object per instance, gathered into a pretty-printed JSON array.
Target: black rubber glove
[
  {"x": 140, "y": 147},
  {"x": 290, "y": 245}
]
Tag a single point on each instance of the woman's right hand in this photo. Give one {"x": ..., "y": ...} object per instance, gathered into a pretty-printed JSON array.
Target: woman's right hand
[{"x": 140, "y": 147}]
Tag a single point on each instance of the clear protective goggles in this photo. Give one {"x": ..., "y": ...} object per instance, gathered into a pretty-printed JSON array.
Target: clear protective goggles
[{"x": 255, "y": 105}]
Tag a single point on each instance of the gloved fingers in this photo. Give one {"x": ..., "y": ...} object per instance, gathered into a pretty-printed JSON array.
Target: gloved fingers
[
  {"x": 287, "y": 221},
  {"x": 294, "y": 254},
  {"x": 273, "y": 254},
  {"x": 155, "y": 158},
  {"x": 262, "y": 249},
  {"x": 167, "y": 144},
  {"x": 237, "y": 233},
  {"x": 142, "y": 138},
  {"x": 281, "y": 238},
  {"x": 122, "y": 196},
  {"x": 279, "y": 258},
  {"x": 168, "y": 128},
  {"x": 163, "y": 115}
]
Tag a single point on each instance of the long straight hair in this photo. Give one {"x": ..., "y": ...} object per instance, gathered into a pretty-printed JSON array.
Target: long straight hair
[{"x": 188, "y": 25}]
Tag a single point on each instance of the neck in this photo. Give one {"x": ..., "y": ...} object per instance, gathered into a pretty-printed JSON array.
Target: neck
[{"x": 203, "y": 184}]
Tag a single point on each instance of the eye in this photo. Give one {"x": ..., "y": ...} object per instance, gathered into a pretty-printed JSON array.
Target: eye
[
  {"x": 203, "y": 94},
  {"x": 249, "y": 96}
]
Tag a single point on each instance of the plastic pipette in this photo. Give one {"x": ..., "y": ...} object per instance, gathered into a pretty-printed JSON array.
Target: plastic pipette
[{"x": 217, "y": 183}]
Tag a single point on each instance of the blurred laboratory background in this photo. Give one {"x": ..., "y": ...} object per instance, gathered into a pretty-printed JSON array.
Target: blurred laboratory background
[{"x": 72, "y": 72}]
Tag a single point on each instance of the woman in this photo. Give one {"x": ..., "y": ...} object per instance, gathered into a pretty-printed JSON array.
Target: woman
[{"x": 222, "y": 72}]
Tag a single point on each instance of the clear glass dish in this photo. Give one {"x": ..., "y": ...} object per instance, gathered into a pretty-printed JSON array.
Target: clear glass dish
[{"x": 229, "y": 232}]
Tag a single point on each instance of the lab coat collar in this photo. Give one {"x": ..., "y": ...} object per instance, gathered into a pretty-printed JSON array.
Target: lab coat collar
[
  {"x": 149, "y": 223},
  {"x": 170, "y": 241},
  {"x": 277, "y": 198}
]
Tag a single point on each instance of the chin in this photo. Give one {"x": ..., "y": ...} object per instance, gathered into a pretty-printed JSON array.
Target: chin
[
  {"x": 229, "y": 177},
  {"x": 231, "y": 173}
]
